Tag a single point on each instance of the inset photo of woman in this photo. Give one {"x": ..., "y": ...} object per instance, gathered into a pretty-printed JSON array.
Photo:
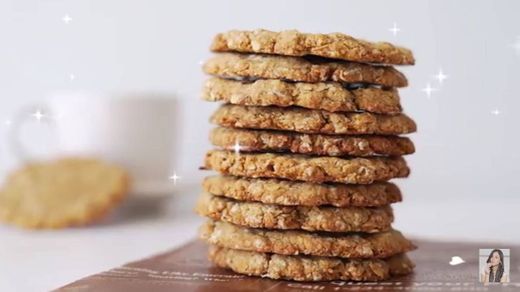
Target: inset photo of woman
[{"x": 494, "y": 265}]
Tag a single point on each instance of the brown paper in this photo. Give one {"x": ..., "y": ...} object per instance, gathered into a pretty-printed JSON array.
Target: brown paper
[{"x": 187, "y": 269}]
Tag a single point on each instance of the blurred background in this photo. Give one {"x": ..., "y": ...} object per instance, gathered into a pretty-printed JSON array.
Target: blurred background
[{"x": 463, "y": 95}]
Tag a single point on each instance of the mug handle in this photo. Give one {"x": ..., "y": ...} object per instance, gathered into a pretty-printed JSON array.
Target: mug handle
[{"x": 19, "y": 119}]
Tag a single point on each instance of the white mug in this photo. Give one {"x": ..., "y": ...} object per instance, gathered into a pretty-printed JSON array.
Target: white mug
[{"x": 135, "y": 131}]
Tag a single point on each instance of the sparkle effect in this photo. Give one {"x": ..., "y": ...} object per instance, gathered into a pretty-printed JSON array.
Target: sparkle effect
[
  {"x": 66, "y": 19},
  {"x": 394, "y": 30},
  {"x": 72, "y": 77},
  {"x": 441, "y": 76},
  {"x": 237, "y": 148},
  {"x": 38, "y": 115},
  {"x": 8, "y": 122},
  {"x": 429, "y": 89},
  {"x": 456, "y": 260},
  {"x": 175, "y": 177},
  {"x": 496, "y": 112}
]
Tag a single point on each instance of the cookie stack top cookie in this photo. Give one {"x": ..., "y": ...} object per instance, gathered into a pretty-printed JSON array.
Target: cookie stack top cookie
[
  {"x": 294, "y": 43},
  {"x": 309, "y": 134}
]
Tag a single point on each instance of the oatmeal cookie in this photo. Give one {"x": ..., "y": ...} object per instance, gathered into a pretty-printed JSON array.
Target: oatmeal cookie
[
  {"x": 295, "y": 242},
  {"x": 331, "y": 219},
  {"x": 304, "y": 168},
  {"x": 295, "y": 43},
  {"x": 293, "y": 193},
  {"x": 62, "y": 193},
  {"x": 330, "y": 96},
  {"x": 311, "y": 121},
  {"x": 311, "y": 144},
  {"x": 309, "y": 268},
  {"x": 260, "y": 66}
]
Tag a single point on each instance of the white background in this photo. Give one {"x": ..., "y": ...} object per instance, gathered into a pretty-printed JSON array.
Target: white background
[{"x": 465, "y": 170}]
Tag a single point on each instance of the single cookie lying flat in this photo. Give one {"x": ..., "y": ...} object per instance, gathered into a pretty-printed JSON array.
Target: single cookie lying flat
[
  {"x": 329, "y": 96},
  {"x": 311, "y": 121},
  {"x": 288, "y": 242},
  {"x": 332, "y": 219},
  {"x": 310, "y": 144},
  {"x": 305, "y": 168},
  {"x": 61, "y": 193},
  {"x": 309, "y": 268},
  {"x": 294, "y": 43},
  {"x": 290, "y": 193},
  {"x": 253, "y": 66}
]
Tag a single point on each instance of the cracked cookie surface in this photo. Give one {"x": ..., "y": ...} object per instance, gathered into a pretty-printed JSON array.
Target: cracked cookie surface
[
  {"x": 292, "y": 193},
  {"x": 295, "y": 43},
  {"x": 331, "y": 219},
  {"x": 310, "y": 144},
  {"x": 290, "y": 242},
  {"x": 307, "y": 168},
  {"x": 331, "y": 96},
  {"x": 254, "y": 66},
  {"x": 311, "y": 121},
  {"x": 309, "y": 268}
]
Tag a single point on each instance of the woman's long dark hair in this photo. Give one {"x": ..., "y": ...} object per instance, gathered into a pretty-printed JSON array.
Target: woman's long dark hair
[{"x": 497, "y": 276}]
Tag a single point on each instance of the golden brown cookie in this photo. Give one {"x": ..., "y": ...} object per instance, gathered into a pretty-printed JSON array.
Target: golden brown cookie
[
  {"x": 309, "y": 268},
  {"x": 289, "y": 242},
  {"x": 332, "y": 219},
  {"x": 310, "y": 144},
  {"x": 294, "y": 43},
  {"x": 329, "y": 96},
  {"x": 61, "y": 193},
  {"x": 311, "y": 121},
  {"x": 306, "y": 168},
  {"x": 291, "y": 193},
  {"x": 254, "y": 66}
]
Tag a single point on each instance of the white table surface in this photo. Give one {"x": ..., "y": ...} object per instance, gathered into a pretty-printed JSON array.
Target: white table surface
[{"x": 44, "y": 260}]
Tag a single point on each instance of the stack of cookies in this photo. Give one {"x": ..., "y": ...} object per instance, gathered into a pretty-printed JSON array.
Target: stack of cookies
[{"x": 307, "y": 139}]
